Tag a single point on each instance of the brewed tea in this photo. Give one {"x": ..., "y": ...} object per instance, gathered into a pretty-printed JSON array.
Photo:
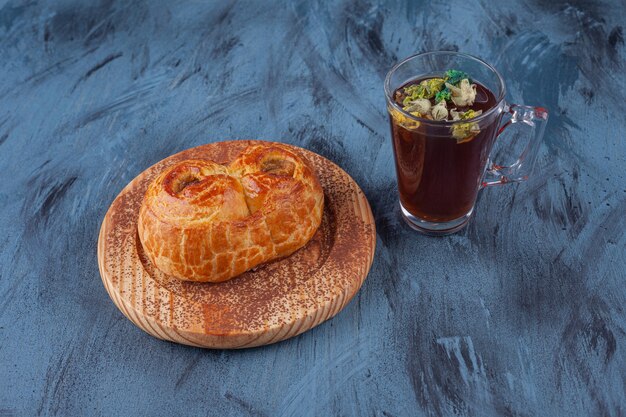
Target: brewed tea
[{"x": 438, "y": 164}]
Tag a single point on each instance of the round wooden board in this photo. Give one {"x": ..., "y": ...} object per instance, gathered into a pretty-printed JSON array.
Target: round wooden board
[{"x": 272, "y": 303}]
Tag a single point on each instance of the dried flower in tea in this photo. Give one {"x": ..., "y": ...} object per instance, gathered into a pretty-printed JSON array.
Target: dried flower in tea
[
  {"x": 443, "y": 95},
  {"x": 454, "y": 77},
  {"x": 463, "y": 95},
  {"x": 430, "y": 98},
  {"x": 464, "y": 132},
  {"x": 440, "y": 111},
  {"x": 403, "y": 120},
  {"x": 421, "y": 105}
]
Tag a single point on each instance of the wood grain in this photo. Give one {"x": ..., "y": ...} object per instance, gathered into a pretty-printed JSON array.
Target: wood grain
[{"x": 274, "y": 302}]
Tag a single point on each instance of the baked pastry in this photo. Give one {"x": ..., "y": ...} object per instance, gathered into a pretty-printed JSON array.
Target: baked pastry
[{"x": 202, "y": 221}]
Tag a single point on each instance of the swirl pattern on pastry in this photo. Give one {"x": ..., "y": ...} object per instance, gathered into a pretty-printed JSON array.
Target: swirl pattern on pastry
[{"x": 206, "y": 222}]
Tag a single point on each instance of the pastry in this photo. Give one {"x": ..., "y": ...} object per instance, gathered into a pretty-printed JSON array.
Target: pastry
[{"x": 206, "y": 222}]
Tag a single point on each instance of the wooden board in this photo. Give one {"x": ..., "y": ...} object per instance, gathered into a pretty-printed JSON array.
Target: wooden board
[{"x": 275, "y": 302}]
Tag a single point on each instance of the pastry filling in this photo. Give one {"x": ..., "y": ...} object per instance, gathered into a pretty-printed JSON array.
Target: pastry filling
[
  {"x": 278, "y": 166},
  {"x": 185, "y": 181}
]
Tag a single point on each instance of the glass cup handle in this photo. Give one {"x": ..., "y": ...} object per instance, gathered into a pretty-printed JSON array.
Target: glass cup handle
[{"x": 535, "y": 118}]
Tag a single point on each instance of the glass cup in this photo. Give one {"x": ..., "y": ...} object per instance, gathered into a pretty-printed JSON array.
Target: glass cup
[{"x": 441, "y": 165}]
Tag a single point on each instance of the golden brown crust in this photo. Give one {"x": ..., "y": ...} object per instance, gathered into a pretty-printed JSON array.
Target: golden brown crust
[{"x": 202, "y": 221}]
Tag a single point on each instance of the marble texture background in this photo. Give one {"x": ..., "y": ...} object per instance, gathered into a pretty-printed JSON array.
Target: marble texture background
[{"x": 521, "y": 314}]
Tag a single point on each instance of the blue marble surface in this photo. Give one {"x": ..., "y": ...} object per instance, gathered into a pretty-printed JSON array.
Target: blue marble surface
[{"x": 521, "y": 314}]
